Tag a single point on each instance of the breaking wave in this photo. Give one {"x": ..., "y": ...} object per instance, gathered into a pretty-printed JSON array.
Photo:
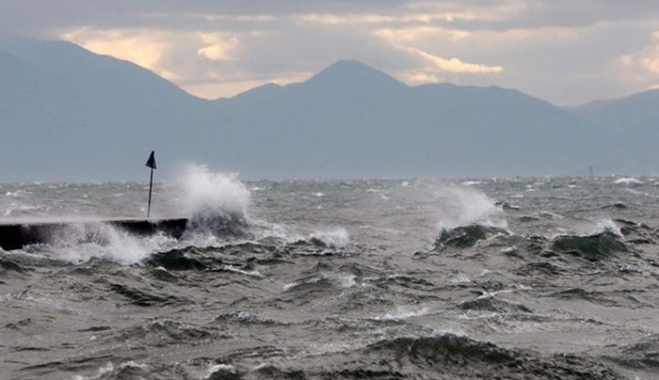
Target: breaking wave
[
  {"x": 80, "y": 242},
  {"x": 217, "y": 204},
  {"x": 338, "y": 238},
  {"x": 467, "y": 206}
]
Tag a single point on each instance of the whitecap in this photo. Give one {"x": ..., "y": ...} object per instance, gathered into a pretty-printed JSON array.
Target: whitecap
[
  {"x": 404, "y": 312},
  {"x": 132, "y": 364},
  {"x": 80, "y": 242},
  {"x": 252, "y": 273},
  {"x": 467, "y": 206},
  {"x": 208, "y": 194},
  {"x": 213, "y": 368},
  {"x": 460, "y": 279},
  {"x": 602, "y": 226},
  {"x": 108, "y": 368},
  {"x": 347, "y": 281},
  {"x": 295, "y": 284},
  {"x": 628, "y": 181},
  {"x": 338, "y": 238}
]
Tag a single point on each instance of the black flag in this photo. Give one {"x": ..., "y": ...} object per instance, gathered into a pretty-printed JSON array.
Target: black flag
[{"x": 151, "y": 162}]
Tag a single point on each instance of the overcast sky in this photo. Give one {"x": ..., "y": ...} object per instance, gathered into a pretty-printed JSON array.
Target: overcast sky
[{"x": 567, "y": 52}]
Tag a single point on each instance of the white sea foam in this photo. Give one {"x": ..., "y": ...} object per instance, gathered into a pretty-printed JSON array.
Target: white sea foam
[
  {"x": 108, "y": 368},
  {"x": 404, "y": 312},
  {"x": 628, "y": 181},
  {"x": 641, "y": 193},
  {"x": 80, "y": 242},
  {"x": 217, "y": 204},
  {"x": 448, "y": 330},
  {"x": 347, "y": 281},
  {"x": 18, "y": 209},
  {"x": 460, "y": 279},
  {"x": 602, "y": 226},
  {"x": 295, "y": 284},
  {"x": 251, "y": 273},
  {"x": 548, "y": 215},
  {"x": 510, "y": 250},
  {"x": 132, "y": 364},
  {"x": 213, "y": 368},
  {"x": 206, "y": 192},
  {"x": 338, "y": 238},
  {"x": 329, "y": 348},
  {"x": 465, "y": 206}
]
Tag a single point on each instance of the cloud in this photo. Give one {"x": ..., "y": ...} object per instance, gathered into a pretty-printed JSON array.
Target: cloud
[
  {"x": 219, "y": 46},
  {"x": 639, "y": 70},
  {"x": 416, "y": 77},
  {"x": 560, "y": 50},
  {"x": 649, "y": 58},
  {"x": 143, "y": 47},
  {"x": 454, "y": 65},
  {"x": 416, "y": 33}
]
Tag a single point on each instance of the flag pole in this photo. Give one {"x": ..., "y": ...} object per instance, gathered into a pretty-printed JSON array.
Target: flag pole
[{"x": 151, "y": 163}]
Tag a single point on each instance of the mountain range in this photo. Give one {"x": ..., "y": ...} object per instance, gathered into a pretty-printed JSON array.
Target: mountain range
[{"x": 69, "y": 114}]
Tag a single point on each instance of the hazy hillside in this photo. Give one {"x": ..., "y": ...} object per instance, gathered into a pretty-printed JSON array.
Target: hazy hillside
[
  {"x": 623, "y": 114},
  {"x": 73, "y": 114},
  {"x": 633, "y": 123},
  {"x": 352, "y": 120},
  {"x": 70, "y": 114}
]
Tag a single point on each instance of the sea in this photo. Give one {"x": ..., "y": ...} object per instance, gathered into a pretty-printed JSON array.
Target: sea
[{"x": 494, "y": 278}]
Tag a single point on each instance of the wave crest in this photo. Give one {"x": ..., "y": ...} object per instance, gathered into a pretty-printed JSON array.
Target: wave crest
[
  {"x": 467, "y": 236},
  {"x": 218, "y": 203}
]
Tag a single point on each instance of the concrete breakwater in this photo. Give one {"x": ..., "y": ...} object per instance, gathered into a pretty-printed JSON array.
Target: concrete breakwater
[{"x": 18, "y": 235}]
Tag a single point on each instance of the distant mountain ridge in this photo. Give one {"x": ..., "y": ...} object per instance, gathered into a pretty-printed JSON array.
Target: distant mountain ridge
[
  {"x": 69, "y": 114},
  {"x": 438, "y": 130},
  {"x": 635, "y": 111}
]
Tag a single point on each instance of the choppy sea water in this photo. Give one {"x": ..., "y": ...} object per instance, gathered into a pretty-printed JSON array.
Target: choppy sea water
[{"x": 550, "y": 278}]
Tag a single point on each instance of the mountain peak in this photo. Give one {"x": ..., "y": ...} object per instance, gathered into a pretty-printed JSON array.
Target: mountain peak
[
  {"x": 352, "y": 73},
  {"x": 347, "y": 65}
]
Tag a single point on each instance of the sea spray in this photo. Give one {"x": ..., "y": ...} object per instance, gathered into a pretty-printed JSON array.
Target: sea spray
[
  {"x": 80, "y": 242},
  {"x": 466, "y": 216},
  {"x": 217, "y": 203},
  {"x": 574, "y": 310},
  {"x": 602, "y": 226},
  {"x": 338, "y": 238},
  {"x": 461, "y": 206},
  {"x": 219, "y": 207}
]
